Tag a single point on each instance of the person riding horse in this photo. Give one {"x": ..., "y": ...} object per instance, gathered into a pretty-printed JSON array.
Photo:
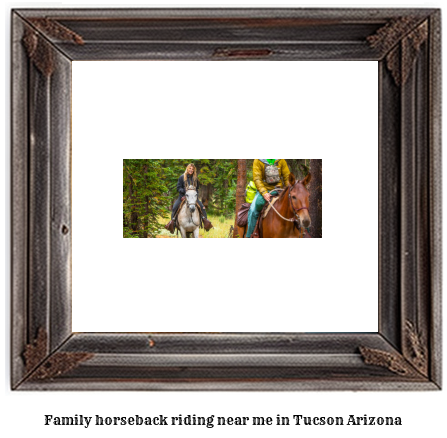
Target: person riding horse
[
  {"x": 187, "y": 180},
  {"x": 267, "y": 175}
]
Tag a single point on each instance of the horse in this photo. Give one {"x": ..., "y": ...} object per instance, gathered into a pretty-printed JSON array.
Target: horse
[
  {"x": 189, "y": 216},
  {"x": 289, "y": 216}
]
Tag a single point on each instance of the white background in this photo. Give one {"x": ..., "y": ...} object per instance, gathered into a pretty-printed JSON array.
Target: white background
[
  {"x": 22, "y": 413},
  {"x": 226, "y": 110}
]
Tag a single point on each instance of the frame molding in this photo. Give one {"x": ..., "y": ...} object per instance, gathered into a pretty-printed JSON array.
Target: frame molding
[{"x": 406, "y": 352}]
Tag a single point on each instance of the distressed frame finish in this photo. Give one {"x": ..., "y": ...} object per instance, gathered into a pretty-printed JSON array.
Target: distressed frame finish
[{"x": 405, "y": 354}]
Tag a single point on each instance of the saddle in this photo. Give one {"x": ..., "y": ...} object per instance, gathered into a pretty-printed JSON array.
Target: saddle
[
  {"x": 242, "y": 215},
  {"x": 172, "y": 224},
  {"x": 257, "y": 233}
]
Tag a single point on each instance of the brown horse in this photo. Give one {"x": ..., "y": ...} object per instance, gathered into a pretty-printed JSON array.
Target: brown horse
[{"x": 289, "y": 216}]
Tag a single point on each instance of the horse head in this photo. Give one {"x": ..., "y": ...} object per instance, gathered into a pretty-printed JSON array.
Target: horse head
[
  {"x": 191, "y": 198},
  {"x": 299, "y": 198}
]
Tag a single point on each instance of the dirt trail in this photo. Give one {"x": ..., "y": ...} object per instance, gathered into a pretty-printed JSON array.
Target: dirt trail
[{"x": 172, "y": 237}]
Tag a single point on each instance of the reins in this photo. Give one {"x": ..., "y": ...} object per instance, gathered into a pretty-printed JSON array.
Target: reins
[
  {"x": 280, "y": 215},
  {"x": 296, "y": 210}
]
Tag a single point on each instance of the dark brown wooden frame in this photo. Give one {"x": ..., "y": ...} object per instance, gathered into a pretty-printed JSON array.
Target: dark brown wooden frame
[{"x": 405, "y": 354}]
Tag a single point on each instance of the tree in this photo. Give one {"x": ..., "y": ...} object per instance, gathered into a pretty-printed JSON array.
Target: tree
[
  {"x": 150, "y": 189},
  {"x": 145, "y": 198},
  {"x": 224, "y": 187},
  {"x": 316, "y": 198},
  {"x": 300, "y": 167},
  {"x": 217, "y": 182},
  {"x": 240, "y": 192}
]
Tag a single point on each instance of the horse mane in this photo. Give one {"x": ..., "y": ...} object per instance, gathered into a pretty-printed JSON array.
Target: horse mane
[{"x": 283, "y": 193}]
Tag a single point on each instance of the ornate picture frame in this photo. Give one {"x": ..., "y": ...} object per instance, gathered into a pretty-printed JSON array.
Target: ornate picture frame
[{"x": 405, "y": 353}]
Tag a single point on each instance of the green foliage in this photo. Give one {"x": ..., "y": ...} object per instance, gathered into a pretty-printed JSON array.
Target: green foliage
[
  {"x": 150, "y": 188},
  {"x": 250, "y": 170},
  {"x": 129, "y": 234},
  {"x": 221, "y": 230},
  {"x": 299, "y": 167},
  {"x": 172, "y": 169},
  {"x": 217, "y": 178},
  {"x": 145, "y": 197},
  {"x": 224, "y": 194}
]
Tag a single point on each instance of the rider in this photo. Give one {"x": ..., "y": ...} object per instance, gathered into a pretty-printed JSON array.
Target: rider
[
  {"x": 189, "y": 178},
  {"x": 264, "y": 188}
]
